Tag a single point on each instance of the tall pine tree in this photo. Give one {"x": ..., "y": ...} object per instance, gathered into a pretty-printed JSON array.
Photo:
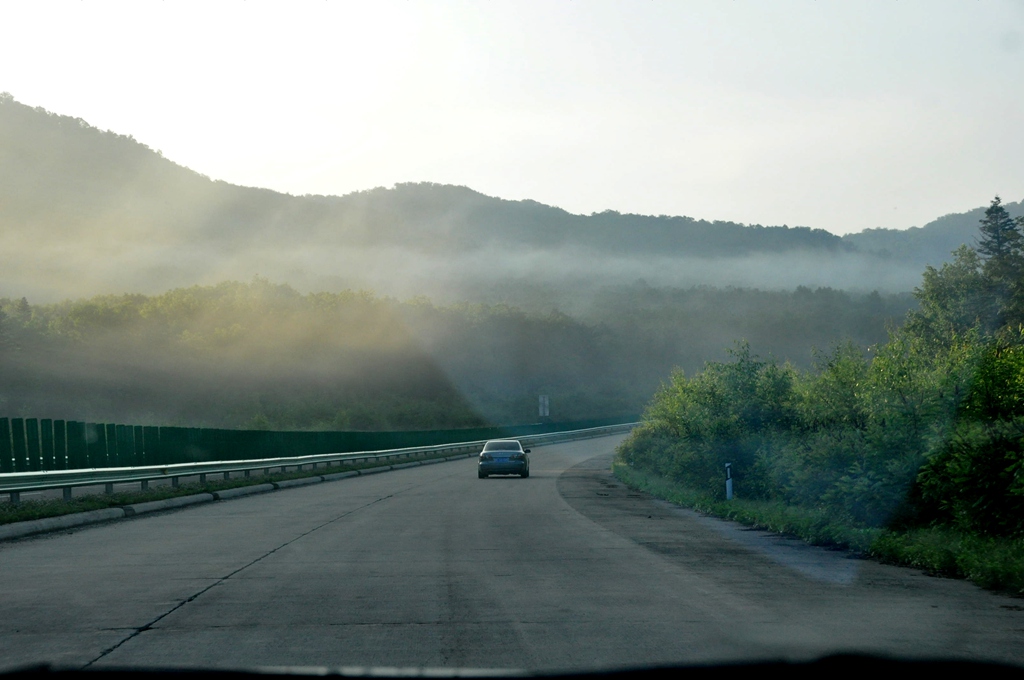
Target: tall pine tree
[
  {"x": 1001, "y": 245},
  {"x": 999, "y": 236}
]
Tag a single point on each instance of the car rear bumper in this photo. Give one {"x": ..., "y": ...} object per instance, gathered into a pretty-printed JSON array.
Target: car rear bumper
[{"x": 512, "y": 467}]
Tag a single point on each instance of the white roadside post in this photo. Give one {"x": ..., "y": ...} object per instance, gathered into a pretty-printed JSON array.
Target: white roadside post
[
  {"x": 543, "y": 406},
  {"x": 728, "y": 481}
]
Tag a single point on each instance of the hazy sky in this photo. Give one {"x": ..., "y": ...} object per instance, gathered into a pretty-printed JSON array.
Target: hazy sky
[{"x": 839, "y": 115}]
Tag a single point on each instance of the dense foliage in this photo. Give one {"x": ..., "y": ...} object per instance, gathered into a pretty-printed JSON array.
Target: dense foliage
[{"x": 924, "y": 429}]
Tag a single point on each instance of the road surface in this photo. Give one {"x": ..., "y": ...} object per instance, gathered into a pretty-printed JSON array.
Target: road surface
[{"x": 432, "y": 567}]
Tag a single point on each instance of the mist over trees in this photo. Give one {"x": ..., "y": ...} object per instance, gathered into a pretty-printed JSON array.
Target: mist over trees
[
  {"x": 261, "y": 354},
  {"x": 480, "y": 304},
  {"x": 86, "y": 212}
]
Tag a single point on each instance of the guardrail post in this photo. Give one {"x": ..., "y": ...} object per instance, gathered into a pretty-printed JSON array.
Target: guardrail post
[
  {"x": 227, "y": 475},
  {"x": 108, "y": 487},
  {"x": 144, "y": 485},
  {"x": 15, "y": 498},
  {"x": 67, "y": 494},
  {"x": 174, "y": 482},
  {"x": 202, "y": 478},
  {"x": 247, "y": 474}
]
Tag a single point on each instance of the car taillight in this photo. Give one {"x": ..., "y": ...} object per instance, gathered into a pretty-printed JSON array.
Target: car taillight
[{"x": 485, "y": 456}]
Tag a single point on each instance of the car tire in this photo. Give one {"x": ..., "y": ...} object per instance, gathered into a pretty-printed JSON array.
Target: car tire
[
  {"x": 481, "y": 475},
  {"x": 525, "y": 474}
]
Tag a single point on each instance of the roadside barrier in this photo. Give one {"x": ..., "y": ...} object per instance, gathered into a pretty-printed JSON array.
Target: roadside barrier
[
  {"x": 36, "y": 445},
  {"x": 15, "y": 483}
]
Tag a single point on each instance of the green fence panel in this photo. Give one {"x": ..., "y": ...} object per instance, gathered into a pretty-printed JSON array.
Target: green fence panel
[
  {"x": 199, "y": 449},
  {"x": 168, "y": 452},
  {"x": 46, "y": 443},
  {"x": 246, "y": 444},
  {"x": 303, "y": 444},
  {"x": 35, "y": 463},
  {"x": 323, "y": 442},
  {"x": 213, "y": 444},
  {"x": 121, "y": 456},
  {"x": 138, "y": 441},
  {"x": 148, "y": 438},
  {"x": 114, "y": 434},
  {"x": 181, "y": 445},
  {"x": 276, "y": 444},
  {"x": 124, "y": 445},
  {"x": 18, "y": 445},
  {"x": 174, "y": 443},
  {"x": 129, "y": 446},
  {"x": 78, "y": 452},
  {"x": 156, "y": 445},
  {"x": 218, "y": 444},
  {"x": 111, "y": 436},
  {"x": 269, "y": 444},
  {"x": 190, "y": 450},
  {"x": 163, "y": 455},
  {"x": 103, "y": 444},
  {"x": 237, "y": 443},
  {"x": 60, "y": 446},
  {"x": 6, "y": 456},
  {"x": 96, "y": 445}
]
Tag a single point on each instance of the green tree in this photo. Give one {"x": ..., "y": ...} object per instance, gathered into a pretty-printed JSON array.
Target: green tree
[
  {"x": 1000, "y": 244},
  {"x": 999, "y": 236},
  {"x": 953, "y": 299}
]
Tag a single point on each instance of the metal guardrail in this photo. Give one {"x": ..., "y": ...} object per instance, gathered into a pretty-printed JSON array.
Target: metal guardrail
[{"x": 14, "y": 483}]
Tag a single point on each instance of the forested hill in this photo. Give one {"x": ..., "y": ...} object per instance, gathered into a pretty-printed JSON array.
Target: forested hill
[
  {"x": 60, "y": 167},
  {"x": 929, "y": 244},
  {"x": 88, "y": 211}
]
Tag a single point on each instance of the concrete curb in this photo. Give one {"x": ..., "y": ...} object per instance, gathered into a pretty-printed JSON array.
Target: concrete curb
[
  {"x": 242, "y": 491},
  {"x": 402, "y": 466},
  {"x": 374, "y": 470},
  {"x": 38, "y": 526},
  {"x": 340, "y": 475},
  {"x": 302, "y": 481},
  {"x": 167, "y": 504}
]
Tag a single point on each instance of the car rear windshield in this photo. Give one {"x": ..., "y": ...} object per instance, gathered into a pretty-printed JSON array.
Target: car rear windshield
[{"x": 502, "y": 446}]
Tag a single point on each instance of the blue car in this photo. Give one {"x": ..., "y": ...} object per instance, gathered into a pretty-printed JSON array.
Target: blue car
[{"x": 503, "y": 457}]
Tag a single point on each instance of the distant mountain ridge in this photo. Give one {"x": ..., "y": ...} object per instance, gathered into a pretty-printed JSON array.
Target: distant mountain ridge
[
  {"x": 107, "y": 199},
  {"x": 929, "y": 244}
]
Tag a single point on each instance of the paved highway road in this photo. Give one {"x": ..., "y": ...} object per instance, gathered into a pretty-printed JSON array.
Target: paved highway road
[{"x": 431, "y": 567}]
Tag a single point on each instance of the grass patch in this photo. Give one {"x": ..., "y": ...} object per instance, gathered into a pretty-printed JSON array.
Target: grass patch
[
  {"x": 814, "y": 526},
  {"x": 993, "y": 563},
  {"x": 40, "y": 509}
]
